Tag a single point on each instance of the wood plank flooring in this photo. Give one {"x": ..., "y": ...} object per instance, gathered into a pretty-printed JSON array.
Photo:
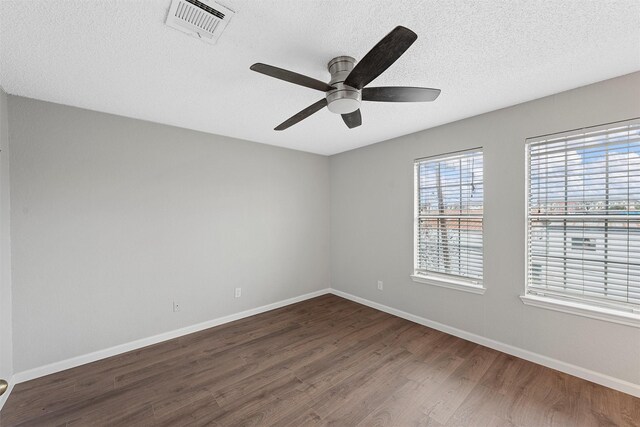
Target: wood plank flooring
[{"x": 325, "y": 361}]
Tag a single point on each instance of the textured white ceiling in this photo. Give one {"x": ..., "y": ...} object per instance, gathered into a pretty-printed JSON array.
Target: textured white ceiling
[{"x": 119, "y": 57}]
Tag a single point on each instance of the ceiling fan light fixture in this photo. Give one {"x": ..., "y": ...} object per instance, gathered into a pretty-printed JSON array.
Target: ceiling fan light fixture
[
  {"x": 343, "y": 99},
  {"x": 343, "y": 105}
]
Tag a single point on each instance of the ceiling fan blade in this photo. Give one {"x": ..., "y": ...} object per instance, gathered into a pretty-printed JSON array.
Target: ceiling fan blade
[
  {"x": 291, "y": 77},
  {"x": 385, "y": 53},
  {"x": 311, "y": 109},
  {"x": 399, "y": 94},
  {"x": 352, "y": 120}
]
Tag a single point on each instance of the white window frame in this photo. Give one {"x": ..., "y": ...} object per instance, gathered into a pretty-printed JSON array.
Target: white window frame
[
  {"x": 610, "y": 312},
  {"x": 459, "y": 283}
]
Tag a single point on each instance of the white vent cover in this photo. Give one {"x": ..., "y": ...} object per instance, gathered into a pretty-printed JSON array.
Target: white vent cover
[{"x": 204, "y": 19}]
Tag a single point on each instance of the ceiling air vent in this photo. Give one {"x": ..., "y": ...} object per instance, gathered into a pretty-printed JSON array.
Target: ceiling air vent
[{"x": 204, "y": 19}]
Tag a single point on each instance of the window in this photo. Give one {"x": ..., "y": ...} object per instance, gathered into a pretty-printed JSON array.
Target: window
[
  {"x": 584, "y": 216},
  {"x": 448, "y": 220}
]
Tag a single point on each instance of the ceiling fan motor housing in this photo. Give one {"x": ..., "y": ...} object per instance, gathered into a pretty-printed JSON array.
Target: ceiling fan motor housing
[{"x": 343, "y": 99}]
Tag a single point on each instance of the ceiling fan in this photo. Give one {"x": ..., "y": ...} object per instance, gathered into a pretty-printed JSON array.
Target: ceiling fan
[{"x": 346, "y": 89}]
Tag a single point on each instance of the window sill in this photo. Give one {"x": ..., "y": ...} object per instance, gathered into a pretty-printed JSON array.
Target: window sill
[
  {"x": 450, "y": 284},
  {"x": 585, "y": 310}
]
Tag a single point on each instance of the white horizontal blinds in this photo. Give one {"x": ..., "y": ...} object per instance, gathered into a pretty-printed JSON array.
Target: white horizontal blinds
[
  {"x": 584, "y": 215},
  {"x": 449, "y": 203}
]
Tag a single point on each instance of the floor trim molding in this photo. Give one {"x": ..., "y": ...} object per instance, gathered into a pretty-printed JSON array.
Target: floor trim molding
[
  {"x": 73, "y": 362},
  {"x": 587, "y": 374},
  {"x": 568, "y": 368}
]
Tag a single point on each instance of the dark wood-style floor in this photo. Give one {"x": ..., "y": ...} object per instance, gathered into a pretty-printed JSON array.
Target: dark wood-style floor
[{"x": 319, "y": 362}]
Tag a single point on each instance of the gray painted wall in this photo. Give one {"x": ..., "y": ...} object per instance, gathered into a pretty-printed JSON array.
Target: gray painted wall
[
  {"x": 113, "y": 219},
  {"x": 372, "y": 228},
  {"x": 6, "y": 347}
]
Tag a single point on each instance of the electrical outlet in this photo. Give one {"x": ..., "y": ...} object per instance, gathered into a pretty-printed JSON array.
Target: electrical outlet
[
  {"x": 238, "y": 293},
  {"x": 176, "y": 307},
  {"x": 380, "y": 285}
]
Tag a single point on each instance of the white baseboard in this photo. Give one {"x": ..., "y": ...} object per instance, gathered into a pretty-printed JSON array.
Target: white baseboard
[
  {"x": 568, "y": 368},
  {"x": 587, "y": 374},
  {"x": 144, "y": 342}
]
